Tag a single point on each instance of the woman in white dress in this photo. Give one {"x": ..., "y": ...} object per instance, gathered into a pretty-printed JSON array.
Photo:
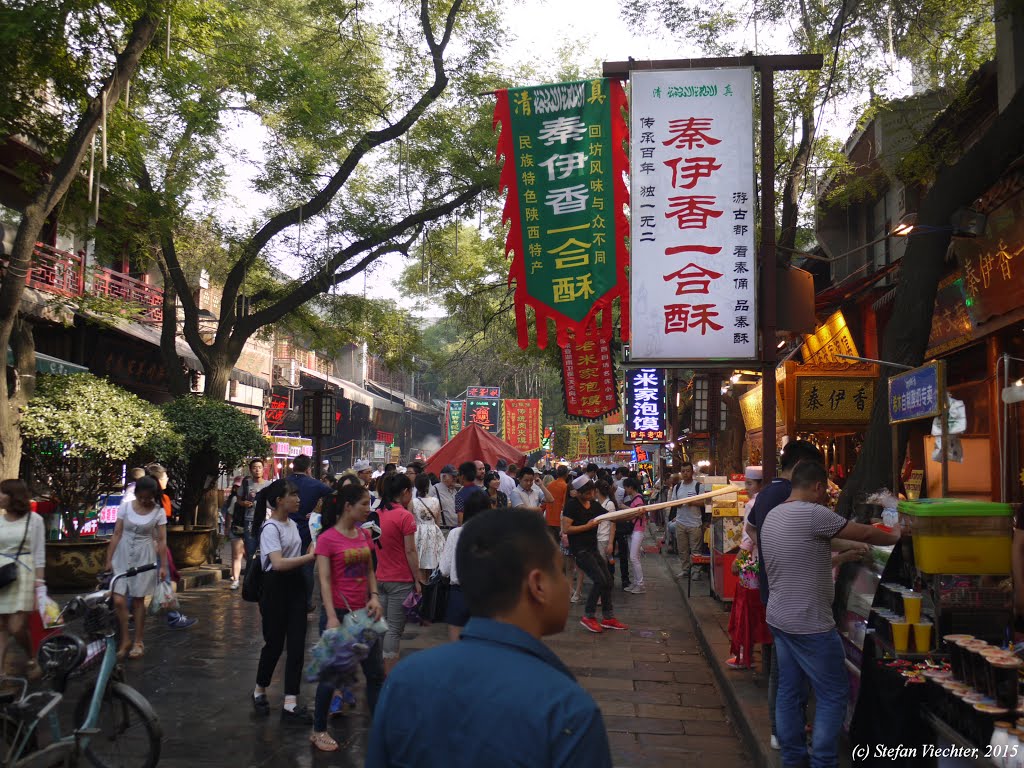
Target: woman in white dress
[
  {"x": 22, "y": 541},
  {"x": 140, "y": 537},
  {"x": 429, "y": 538}
]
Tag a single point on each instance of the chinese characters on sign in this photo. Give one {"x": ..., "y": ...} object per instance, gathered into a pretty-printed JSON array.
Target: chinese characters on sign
[
  {"x": 521, "y": 422},
  {"x": 492, "y": 392},
  {"x": 915, "y": 394},
  {"x": 832, "y": 338},
  {"x": 563, "y": 167},
  {"x": 484, "y": 412},
  {"x": 454, "y": 418},
  {"x": 277, "y": 410},
  {"x": 951, "y": 323},
  {"x": 588, "y": 376},
  {"x": 646, "y": 411},
  {"x": 834, "y": 400},
  {"x": 692, "y": 279},
  {"x": 993, "y": 264}
]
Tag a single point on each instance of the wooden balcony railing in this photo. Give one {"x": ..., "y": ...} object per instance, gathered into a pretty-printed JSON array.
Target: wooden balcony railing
[{"x": 117, "y": 285}]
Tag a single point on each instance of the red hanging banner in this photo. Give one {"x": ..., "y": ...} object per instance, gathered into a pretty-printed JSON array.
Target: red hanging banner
[
  {"x": 521, "y": 421},
  {"x": 588, "y": 376}
]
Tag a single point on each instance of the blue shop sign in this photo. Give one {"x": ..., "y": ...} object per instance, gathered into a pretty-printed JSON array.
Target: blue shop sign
[{"x": 916, "y": 394}]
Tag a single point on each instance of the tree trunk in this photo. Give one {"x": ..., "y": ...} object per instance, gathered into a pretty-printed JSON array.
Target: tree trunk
[
  {"x": 23, "y": 349},
  {"x": 906, "y": 334},
  {"x": 34, "y": 216}
]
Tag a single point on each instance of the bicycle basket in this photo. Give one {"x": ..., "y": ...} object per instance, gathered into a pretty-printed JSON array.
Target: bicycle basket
[{"x": 100, "y": 620}]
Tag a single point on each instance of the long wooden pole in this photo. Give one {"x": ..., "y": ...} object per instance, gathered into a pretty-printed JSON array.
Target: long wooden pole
[{"x": 623, "y": 514}]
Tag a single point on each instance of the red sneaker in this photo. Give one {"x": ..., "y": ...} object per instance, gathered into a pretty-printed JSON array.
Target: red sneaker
[
  {"x": 613, "y": 623},
  {"x": 591, "y": 623}
]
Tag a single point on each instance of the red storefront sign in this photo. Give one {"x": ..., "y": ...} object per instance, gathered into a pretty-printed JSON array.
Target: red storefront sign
[{"x": 588, "y": 377}]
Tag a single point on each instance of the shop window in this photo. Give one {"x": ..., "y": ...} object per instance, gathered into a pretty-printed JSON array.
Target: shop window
[{"x": 700, "y": 404}]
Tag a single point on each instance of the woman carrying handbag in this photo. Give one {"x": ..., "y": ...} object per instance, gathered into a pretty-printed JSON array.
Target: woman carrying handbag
[
  {"x": 429, "y": 538},
  {"x": 22, "y": 566}
]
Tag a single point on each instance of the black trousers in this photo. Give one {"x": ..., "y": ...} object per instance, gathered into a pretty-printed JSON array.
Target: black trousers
[
  {"x": 622, "y": 555},
  {"x": 596, "y": 569},
  {"x": 283, "y": 608}
]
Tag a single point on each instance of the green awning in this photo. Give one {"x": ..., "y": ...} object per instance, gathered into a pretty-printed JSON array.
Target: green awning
[{"x": 47, "y": 364}]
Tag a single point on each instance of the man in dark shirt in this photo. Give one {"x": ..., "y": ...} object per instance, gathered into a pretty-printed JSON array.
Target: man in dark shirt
[
  {"x": 499, "y": 680},
  {"x": 311, "y": 491},
  {"x": 468, "y": 472},
  {"x": 579, "y": 525}
]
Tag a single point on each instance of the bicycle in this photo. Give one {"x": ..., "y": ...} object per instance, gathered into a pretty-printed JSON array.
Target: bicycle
[{"x": 115, "y": 726}]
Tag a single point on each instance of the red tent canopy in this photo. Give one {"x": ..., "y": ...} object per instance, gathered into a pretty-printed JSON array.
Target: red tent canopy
[{"x": 474, "y": 443}]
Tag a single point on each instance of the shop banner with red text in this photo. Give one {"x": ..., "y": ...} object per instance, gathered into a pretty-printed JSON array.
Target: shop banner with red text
[
  {"x": 521, "y": 423},
  {"x": 562, "y": 149},
  {"x": 588, "y": 378},
  {"x": 692, "y": 278}
]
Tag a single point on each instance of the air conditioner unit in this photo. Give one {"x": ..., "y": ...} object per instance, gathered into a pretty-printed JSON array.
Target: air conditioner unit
[{"x": 286, "y": 372}]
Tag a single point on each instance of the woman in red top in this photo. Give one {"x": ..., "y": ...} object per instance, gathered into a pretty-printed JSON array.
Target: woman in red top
[
  {"x": 398, "y": 566},
  {"x": 347, "y": 582}
]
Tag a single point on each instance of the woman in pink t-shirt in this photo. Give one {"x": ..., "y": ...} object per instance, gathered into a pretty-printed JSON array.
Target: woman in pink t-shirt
[
  {"x": 633, "y": 498},
  {"x": 347, "y": 583},
  {"x": 398, "y": 567}
]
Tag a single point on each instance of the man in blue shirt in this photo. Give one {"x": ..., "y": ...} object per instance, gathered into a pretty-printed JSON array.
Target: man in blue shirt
[
  {"x": 311, "y": 491},
  {"x": 468, "y": 474},
  {"x": 511, "y": 700}
]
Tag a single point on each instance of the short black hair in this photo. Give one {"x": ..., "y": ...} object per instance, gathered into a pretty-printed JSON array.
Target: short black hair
[
  {"x": 526, "y": 471},
  {"x": 807, "y": 473},
  {"x": 797, "y": 451},
  {"x": 496, "y": 551},
  {"x": 686, "y": 464},
  {"x": 390, "y": 468},
  {"x": 467, "y": 470},
  {"x": 562, "y": 471},
  {"x": 478, "y": 501},
  {"x": 632, "y": 482},
  {"x": 592, "y": 467},
  {"x": 301, "y": 463}
]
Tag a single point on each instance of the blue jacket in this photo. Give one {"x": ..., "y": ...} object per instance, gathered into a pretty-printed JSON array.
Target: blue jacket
[{"x": 497, "y": 697}]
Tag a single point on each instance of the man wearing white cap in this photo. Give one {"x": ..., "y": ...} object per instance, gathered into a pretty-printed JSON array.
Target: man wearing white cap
[
  {"x": 363, "y": 471},
  {"x": 579, "y": 525}
]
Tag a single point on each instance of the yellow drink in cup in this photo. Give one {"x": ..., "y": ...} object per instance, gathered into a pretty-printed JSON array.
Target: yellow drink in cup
[
  {"x": 900, "y": 635},
  {"x": 922, "y": 637},
  {"x": 912, "y": 608}
]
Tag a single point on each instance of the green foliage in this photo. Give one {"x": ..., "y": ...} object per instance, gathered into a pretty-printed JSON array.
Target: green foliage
[
  {"x": 79, "y": 432},
  {"x": 211, "y": 428},
  {"x": 91, "y": 417}
]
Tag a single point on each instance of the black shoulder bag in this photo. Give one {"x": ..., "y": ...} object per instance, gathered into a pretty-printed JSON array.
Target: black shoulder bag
[
  {"x": 252, "y": 584},
  {"x": 9, "y": 571}
]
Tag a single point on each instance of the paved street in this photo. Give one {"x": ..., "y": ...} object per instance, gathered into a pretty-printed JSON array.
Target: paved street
[{"x": 654, "y": 687}]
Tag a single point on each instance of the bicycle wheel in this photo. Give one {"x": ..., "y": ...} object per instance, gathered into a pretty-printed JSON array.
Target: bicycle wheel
[{"x": 129, "y": 730}]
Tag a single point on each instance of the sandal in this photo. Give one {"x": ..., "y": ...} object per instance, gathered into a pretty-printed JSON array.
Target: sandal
[
  {"x": 323, "y": 741},
  {"x": 137, "y": 650}
]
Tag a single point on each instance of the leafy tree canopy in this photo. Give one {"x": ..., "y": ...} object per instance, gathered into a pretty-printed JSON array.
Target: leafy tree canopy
[{"x": 211, "y": 427}]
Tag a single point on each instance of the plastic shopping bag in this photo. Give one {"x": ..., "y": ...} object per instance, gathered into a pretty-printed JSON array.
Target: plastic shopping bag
[
  {"x": 164, "y": 599},
  {"x": 48, "y": 609}
]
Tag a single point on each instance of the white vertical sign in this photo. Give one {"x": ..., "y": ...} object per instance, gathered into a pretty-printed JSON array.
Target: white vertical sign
[{"x": 693, "y": 281}]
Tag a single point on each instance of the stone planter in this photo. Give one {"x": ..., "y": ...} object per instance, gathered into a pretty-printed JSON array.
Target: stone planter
[
  {"x": 75, "y": 564},
  {"x": 188, "y": 548}
]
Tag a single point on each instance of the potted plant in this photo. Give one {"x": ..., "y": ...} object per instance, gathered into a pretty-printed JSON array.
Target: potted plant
[
  {"x": 216, "y": 438},
  {"x": 79, "y": 430}
]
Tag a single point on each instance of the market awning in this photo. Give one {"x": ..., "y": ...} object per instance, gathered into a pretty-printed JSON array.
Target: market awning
[
  {"x": 356, "y": 394},
  {"x": 151, "y": 335},
  {"x": 47, "y": 364},
  {"x": 847, "y": 289}
]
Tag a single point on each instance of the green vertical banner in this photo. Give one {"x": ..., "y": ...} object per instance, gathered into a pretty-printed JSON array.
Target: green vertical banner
[
  {"x": 564, "y": 162},
  {"x": 455, "y": 412}
]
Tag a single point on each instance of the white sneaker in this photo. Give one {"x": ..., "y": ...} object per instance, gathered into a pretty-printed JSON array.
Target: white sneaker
[
  {"x": 575, "y": 597},
  {"x": 637, "y": 590},
  {"x": 681, "y": 575},
  {"x": 234, "y": 583},
  {"x": 775, "y": 742}
]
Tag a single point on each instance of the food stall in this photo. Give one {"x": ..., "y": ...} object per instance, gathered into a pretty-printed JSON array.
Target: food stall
[
  {"x": 926, "y": 625},
  {"x": 726, "y": 534}
]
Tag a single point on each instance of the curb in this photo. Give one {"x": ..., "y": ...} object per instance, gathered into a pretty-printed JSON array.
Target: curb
[{"x": 761, "y": 752}]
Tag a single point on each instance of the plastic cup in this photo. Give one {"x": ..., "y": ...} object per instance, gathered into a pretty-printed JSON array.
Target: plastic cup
[
  {"x": 912, "y": 607},
  {"x": 922, "y": 636},
  {"x": 900, "y": 636}
]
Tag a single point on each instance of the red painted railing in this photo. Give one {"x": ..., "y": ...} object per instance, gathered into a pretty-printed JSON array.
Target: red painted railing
[
  {"x": 117, "y": 285},
  {"x": 62, "y": 273},
  {"x": 56, "y": 271}
]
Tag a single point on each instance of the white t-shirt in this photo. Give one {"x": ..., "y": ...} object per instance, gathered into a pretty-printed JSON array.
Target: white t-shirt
[
  {"x": 447, "y": 563},
  {"x": 280, "y": 537},
  {"x": 520, "y": 497}
]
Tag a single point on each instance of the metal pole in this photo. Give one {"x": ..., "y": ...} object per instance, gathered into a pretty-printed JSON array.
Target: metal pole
[
  {"x": 768, "y": 261},
  {"x": 944, "y": 416}
]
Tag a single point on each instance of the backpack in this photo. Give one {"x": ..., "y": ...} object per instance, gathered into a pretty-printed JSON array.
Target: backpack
[{"x": 252, "y": 584}]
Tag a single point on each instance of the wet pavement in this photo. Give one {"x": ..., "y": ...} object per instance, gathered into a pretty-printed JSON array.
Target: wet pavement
[{"x": 656, "y": 691}]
